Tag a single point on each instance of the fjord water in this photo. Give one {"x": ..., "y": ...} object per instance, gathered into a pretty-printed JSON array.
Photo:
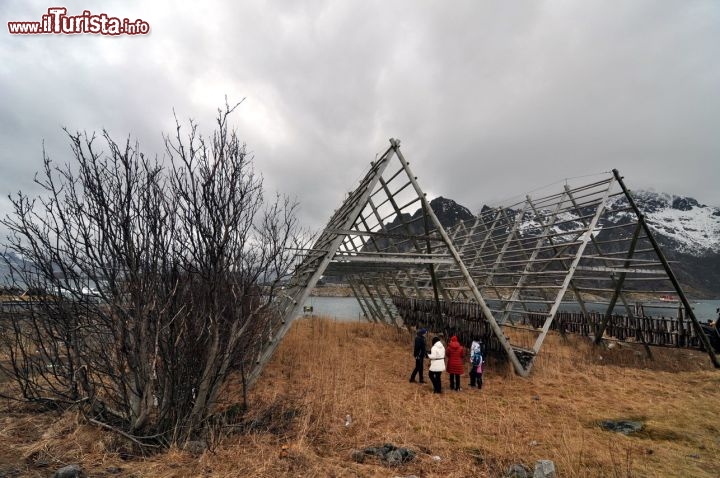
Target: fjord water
[{"x": 347, "y": 308}]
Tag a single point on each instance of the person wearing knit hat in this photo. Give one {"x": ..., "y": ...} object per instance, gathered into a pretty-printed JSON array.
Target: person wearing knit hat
[{"x": 419, "y": 352}]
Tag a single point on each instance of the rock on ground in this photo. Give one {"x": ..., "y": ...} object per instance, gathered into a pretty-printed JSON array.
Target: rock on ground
[
  {"x": 622, "y": 426},
  {"x": 388, "y": 453},
  {"x": 544, "y": 469},
  {"x": 70, "y": 471},
  {"x": 517, "y": 470}
]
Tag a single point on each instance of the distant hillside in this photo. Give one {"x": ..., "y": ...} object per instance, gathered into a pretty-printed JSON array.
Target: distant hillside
[{"x": 5, "y": 258}]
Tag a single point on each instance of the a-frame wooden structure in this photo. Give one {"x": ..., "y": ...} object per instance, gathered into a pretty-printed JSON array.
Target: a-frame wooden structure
[
  {"x": 372, "y": 239},
  {"x": 528, "y": 257}
]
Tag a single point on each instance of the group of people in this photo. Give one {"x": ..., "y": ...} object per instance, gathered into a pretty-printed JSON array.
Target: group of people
[{"x": 450, "y": 359}]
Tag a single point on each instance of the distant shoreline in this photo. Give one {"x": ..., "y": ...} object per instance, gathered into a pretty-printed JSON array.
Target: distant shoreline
[{"x": 332, "y": 290}]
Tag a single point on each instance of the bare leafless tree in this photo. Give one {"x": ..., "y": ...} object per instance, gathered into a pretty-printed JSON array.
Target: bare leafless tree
[{"x": 152, "y": 280}]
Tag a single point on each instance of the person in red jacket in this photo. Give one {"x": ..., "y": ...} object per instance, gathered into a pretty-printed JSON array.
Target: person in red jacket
[{"x": 455, "y": 365}]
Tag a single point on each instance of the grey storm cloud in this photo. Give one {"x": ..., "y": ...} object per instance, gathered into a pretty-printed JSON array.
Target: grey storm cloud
[{"x": 490, "y": 99}]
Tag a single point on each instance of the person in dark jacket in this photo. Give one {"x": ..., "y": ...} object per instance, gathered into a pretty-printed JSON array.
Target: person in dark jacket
[
  {"x": 419, "y": 352},
  {"x": 712, "y": 331}
]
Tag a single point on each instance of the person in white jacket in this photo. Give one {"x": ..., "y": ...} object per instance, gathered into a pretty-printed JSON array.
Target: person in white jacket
[{"x": 437, "y": 363}]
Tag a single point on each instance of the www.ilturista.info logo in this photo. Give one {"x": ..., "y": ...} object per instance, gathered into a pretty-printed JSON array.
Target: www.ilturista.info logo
[{"x": 57, "y": 21}]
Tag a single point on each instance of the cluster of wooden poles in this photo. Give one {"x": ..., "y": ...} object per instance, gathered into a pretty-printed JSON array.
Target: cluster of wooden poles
[
  {"x": 466, "y": 320},
  {"x": 462, "y": 319},
  {"x": 656, "y": 331}
]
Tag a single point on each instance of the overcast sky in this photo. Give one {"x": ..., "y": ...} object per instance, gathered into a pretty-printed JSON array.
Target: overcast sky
[{"x": 490, "y": 99}]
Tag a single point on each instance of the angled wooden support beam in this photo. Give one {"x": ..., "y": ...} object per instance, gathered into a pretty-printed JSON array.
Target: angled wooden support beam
[
  {"x": 394, "y": 258},
  {"x": 618, "y": 289},
  {"x": 519, "y": 368},
  {"x": 365, "y": 312},
  {"x": 568, "y": 277},
  {"x": 509, "y": 304},
  {"x": 344, "y": 218},
  {"x": 671, "y": 275}
]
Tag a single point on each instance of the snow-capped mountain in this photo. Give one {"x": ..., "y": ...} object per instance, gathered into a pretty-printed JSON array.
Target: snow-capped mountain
[
  {"x": 689, "y": 234},
  {"x": 687, "y": 231},
  {"x": 684, "y": 224}
]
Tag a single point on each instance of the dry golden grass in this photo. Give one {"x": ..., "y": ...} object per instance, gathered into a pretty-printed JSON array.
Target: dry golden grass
[{"x": 325, "y": 370}]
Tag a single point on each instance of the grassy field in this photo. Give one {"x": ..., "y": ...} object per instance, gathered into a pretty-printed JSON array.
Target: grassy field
[{"x": 326, "y": 370}]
